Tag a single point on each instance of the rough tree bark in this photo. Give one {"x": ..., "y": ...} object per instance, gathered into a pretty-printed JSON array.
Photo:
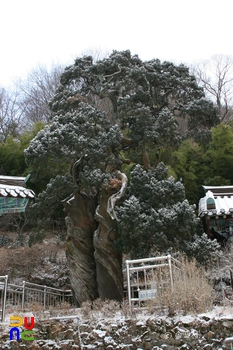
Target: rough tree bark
[
  {"x": 95, "y": 265},
  {"x": 79, "y": 247},
  {"x": 108, "y": 259}
]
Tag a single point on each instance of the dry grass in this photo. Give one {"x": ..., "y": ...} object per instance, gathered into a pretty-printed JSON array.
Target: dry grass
[
  {"x": 22, "y": 261},
  {"x": 191, "y": 292},
  {"x": 100, "y": 309}
]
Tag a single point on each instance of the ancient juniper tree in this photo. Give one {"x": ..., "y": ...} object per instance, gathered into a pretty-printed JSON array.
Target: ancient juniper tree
[{"x": 110, "y": 120}]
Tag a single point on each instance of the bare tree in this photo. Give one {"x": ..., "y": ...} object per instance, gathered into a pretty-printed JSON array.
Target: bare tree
[
  {"x": 37, "y": 91},
  {"x": 216, "y": 77},
  {"x": 97, "y": 53},
  {"x": 11, "y": 114}
]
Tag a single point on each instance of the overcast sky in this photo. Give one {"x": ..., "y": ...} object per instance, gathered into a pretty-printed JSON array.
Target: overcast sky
[{"x": 37, "y": 32}]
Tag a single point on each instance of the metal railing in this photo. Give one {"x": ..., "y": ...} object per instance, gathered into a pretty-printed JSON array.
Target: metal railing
[
  {"x": 146, "y": 276},
  {"x": 3, "y": 296},
  {"x": 31, "y": 293}
]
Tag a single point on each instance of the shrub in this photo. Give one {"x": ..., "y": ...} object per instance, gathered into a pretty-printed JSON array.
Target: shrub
[
  {"x": 203, "y": 249},
  {"x": 4, "y": 240}
]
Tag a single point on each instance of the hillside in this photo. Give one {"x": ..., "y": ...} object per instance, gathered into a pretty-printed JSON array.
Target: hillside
[
  {"x": 43, "y": 263},
  {"x": 110, "y": 325}
]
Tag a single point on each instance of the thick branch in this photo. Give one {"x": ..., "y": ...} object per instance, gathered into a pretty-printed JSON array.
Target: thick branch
[
  {"x": 128, "y": 143},
  {"x": 74, "y": 168},
  {"x": 145, "y": 158},
  {"x": 116, "y": 196}
]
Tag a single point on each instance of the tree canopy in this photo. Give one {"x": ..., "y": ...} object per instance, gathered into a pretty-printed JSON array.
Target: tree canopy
[{"x": 111, "y": 119}]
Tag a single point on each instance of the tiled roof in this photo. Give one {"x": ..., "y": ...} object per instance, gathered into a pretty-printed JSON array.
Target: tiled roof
[
  {"x": 14, "y": 196},
  {"x": 222, "y": 199},
  {"x": 15, "y": 191},
  {"x": 13, "y": 180}
]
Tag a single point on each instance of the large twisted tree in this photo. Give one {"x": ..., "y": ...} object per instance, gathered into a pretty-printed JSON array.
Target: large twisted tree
[{"x": 110, "y": 120}]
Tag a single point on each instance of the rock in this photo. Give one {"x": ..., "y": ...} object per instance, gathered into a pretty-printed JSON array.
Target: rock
[
  {"x": 128, "y": 334},
  {"x": 209, "y": 335}
]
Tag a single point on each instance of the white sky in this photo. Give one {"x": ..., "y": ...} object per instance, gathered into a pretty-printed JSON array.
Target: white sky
[{"x": 37, "y": 32}]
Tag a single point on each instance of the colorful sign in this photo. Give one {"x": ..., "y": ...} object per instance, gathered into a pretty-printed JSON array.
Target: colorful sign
[
  {"x": 16, "y": 331},
  {"x": 12, "y": 205}
]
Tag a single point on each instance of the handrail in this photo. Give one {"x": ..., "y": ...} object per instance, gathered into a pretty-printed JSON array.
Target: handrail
[
  {"x": 42, "y": 286},
  {"x": 30, "y": 292},
  {"x": 135, "y": 261},
  {"x": 4, "y": 294}
]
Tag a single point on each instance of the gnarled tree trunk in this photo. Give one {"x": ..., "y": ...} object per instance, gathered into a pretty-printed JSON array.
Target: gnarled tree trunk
[
  {"x": 108, "y": 259},
  {"x": 79, "y": 246},
  {"x": 95, "y": 265}
]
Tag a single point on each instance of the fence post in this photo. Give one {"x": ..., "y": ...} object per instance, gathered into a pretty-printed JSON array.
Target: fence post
[
  {"x": 128, "y": 282},
  {"x": 4, "y": 299},
  {"x": 45, "y": 296},
  {"x": 170, "y": 269},
  {"x": 23, "y": 295}
]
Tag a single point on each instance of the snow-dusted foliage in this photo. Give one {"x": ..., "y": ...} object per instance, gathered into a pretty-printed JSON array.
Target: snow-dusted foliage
[
  {"x": 111, "y": 117},
  {"x": 79, "y": 134},
  {"x": 47, "y": 206},
  {"x": 202, "y": 249},
  {"x": 155, "y": 215}
]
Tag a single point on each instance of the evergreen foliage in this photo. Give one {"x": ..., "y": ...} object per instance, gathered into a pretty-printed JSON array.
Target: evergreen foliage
[
  {"x": 155, "y": 214},
  {"x": 119, "y": 126},
  {"x": 12, "y": 160},
  {"x": 47, "y": 209},
  {"x": 219, "y": 156},
  {"x": 189, "y": 165},
  {"x": 203, "y": 249},
  {"x": 119, "y": 113}
]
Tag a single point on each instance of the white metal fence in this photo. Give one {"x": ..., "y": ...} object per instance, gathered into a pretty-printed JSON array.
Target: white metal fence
[
  {"x": 3, "y": 295},
  {"x": 145, "y": 277},
  {"x": 30, "y": 293}
]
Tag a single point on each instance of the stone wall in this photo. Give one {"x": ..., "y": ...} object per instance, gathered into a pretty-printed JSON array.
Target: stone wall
[{"x": 157, "y": 333}]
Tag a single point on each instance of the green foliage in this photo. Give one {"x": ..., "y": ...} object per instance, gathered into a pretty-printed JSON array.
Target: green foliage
[
  {"x": 219, "y": 156},
  {"x": 145, "y": 97},
  {"x": 12, "y": 160},
  {"x": 84, "y": 134},
  {"x": 154, "y": 214},
  {"x": 47, "y": 210},
  {"x": 36, "y": 236},
  {"x": 201, "y": 114},
  {"x": 113, "y": 114},
  {"x": 4, "y": 240},
  {"x": 198, "y": 164},
  {"x": 203, "y": 249},
  {"x": 188, "y": 164}
]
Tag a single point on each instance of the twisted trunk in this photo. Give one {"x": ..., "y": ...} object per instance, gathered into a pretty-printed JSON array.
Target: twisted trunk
[
  {"x": 79, "y": 247},
  {"x": 108, "y": 260},
  {"x": 95, "y": 265}
]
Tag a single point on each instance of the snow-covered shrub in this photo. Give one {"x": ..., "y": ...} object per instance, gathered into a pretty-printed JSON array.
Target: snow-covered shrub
[
  {"x": 155, "y": 214},
  {"x": 202, "y": 249}
]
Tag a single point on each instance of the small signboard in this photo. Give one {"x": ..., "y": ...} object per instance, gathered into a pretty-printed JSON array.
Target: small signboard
[{"x": 147, "y": 294}]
